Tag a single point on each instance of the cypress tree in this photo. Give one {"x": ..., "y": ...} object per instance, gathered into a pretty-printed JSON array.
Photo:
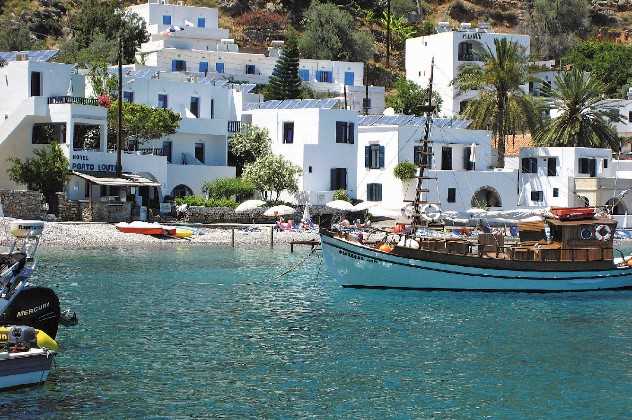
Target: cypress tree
[{"x": 285, "y": 82}]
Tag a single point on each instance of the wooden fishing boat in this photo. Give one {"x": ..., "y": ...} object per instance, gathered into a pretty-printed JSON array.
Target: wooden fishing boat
[{"x": 571, "y": 250}]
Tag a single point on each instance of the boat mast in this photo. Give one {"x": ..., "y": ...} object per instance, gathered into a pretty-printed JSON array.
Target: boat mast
[{"x": 424, "y": 157}]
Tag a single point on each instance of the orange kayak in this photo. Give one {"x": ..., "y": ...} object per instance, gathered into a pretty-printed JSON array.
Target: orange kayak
[{"x": 144, "y": 228}]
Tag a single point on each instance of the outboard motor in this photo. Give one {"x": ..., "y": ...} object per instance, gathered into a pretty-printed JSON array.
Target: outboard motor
[
  {"x": 37, "y": 307},
  {"x": 20, "y": 302}
]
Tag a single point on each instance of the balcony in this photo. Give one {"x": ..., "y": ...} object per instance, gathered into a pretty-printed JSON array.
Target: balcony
[{"x": 75, "y": 100}]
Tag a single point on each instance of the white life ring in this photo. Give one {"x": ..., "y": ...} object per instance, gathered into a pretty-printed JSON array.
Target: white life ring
[
  {"x": 603, "y": 233},
  {"x": 430, "y": 216}
]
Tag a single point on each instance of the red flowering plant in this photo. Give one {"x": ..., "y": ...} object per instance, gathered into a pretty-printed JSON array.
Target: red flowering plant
[{"x": 104, "y": 100}]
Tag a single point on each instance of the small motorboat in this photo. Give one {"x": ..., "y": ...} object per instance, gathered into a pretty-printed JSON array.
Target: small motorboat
[
  {"x": 145, "y": 228},
  {"x": 26, "y": 356},
  {"x": 22, "y": 303}
]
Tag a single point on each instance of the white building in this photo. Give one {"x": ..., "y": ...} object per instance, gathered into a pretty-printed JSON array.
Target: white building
[
  {"x": 188, "y": 39},
  {"x": 461, "y": 163},
  {"x": 451, "y": 49},
  {"x": 318, "y": 137},
  {"x": 198, "y": 151},
  {"x": 573, "y": 176}
]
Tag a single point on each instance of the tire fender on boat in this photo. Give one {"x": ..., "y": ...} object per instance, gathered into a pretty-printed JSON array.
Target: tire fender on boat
[{"x": 603, "y": 233}]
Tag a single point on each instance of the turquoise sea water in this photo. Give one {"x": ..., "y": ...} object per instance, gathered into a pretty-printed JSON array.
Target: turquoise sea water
[{"x": 212, "y": 333}]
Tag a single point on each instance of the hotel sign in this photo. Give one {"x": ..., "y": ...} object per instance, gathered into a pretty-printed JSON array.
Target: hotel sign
[
  {"x": 90, "y": 163},
  {"x": 472, "y": 35}
]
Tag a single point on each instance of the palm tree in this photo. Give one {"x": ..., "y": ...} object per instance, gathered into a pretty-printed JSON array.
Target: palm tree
[
  {"x": 502, "y": 105},
  {"x": 583, "y": 119}
]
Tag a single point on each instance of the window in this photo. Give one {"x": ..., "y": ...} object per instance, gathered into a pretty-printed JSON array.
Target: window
[
  {"x": 451, "y": 195},
  {"x": 446, "y": 158},
  {"x": 468, "y": 163},
  {"x": 345, "y": 132},
  {"x": 374, "y": 156},
  {"x": 304, "y": 75},
  {"x": 212, "y": 108},
  {"x": 49, "y": 132},
  {"x": 166, "y": 150},
  {"x": 324, "y": 76},
  {"x": 629, "y": 116},
  {"x": 166, "y": 20},
  {"x": 309, "y": 169},
  {"x": 537, "y": 196},
  {"x": 349, "y": 76},
  {"x": 201, "y": 22},
  {"x": 605, "y": 163},
  {"x": 86, "y": 137},
  {"x": 420, "y": 159},
  {"x": 86, "y": 189},
  {"x": 195, "y": 106},
  {"x": 128, "y": 96},
  {"x": 178, "y": 65},
  {"x": 288, "y": 132},
  {"x": 373, "y": 192},
  {"x": 587, "y": 166},
  {"x": 36, "y": 83},
  {"x": 551, "y": 166},
  {"x": 529, "y": 165},
  {"x": 556, "y": 192},
  {"x": 203, "y": 67},
  {"x": 219, "y": 67},
  {"x": 199, "y": 152},
  {"x": 163, "y": 102},
  {"x": 338, "y": 179},
  {"x": 250, "y": 69}
]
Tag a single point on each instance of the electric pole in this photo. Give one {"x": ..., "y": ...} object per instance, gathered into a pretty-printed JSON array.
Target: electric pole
[
  {"x": 119, "y": 116},
  {"x": 388, "y": 33}
]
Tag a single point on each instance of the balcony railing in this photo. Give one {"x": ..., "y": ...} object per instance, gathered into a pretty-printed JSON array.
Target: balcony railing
[
  {"x": 234, "y": 126},
  {"x": 76, "y": 100}
]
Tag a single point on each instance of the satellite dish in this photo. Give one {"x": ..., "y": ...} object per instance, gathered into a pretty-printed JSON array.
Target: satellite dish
[{"x": 389, "y": 112}]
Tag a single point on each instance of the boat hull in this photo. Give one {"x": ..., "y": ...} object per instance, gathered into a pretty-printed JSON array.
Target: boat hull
[
  {"x": 357, "y": 266},
  {"x": 21, "y": 369}
]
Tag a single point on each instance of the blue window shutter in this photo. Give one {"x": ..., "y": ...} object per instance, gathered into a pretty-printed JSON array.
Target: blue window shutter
[
  {"x": 330, "y": 77},
  {"x": 319, "y": 75},
  {"x": 349, "y": 78},
  {"x": 201, "y": 23},
  {"x": 381, "y": 156},
  {"x": 367, "y": 156},
  {"x": 304, "y": 74},
  {"x": 166, "y": 20},
  {"x": 350, "y": 133},
  {"x": 174, "y": 65},
  {"x": 219, "y": 67},
  {"x": 203, "y": 66}
]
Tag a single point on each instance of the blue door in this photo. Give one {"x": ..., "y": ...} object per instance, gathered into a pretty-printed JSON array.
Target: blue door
[
  {"x": 303, "y": 74},
  {"x": 325, "y": 76},
  {"x": 349, "y": 78},
  {"x": 203, "y": 67},
  {"x": 178, "y": 65},
  {"x": 219, "y": 67}
]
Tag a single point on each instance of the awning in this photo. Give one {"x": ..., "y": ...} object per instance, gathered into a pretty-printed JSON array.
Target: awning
[{"x": 127, "y": 180}]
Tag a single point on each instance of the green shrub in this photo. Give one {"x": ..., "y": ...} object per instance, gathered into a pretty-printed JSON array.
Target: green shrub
[
  {"x": 341, "y": 195},
  {"x": 196, "y": 200},
  {"x": 405, "y": 171},
  {"x": 227, "y": 188}
]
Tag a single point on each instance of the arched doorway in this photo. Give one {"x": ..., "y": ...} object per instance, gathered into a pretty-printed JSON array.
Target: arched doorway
[
  {"x": 181, "y": 191},
  {"x": 486, "y": 197},
  {"x": 616, "y": 206},
  {"x": 582, "y": 201}
]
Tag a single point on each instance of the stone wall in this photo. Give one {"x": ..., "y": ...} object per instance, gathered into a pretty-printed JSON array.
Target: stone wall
[
  {"x": 22, "y": 204},
  {"x": 228, "y": 215},
  {"x": 84, "y": 211}
]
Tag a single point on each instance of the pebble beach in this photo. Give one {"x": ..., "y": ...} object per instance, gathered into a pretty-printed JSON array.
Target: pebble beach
[{"x": 67, "y": 235}]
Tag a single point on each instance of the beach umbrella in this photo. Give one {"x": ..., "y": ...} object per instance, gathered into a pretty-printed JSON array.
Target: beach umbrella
[
  {"x": 249, "y": 205},
  {"x": 340, "y": 205},
  {"x": 279, "y": 211},
  {"x": 365, "y": 205}
]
